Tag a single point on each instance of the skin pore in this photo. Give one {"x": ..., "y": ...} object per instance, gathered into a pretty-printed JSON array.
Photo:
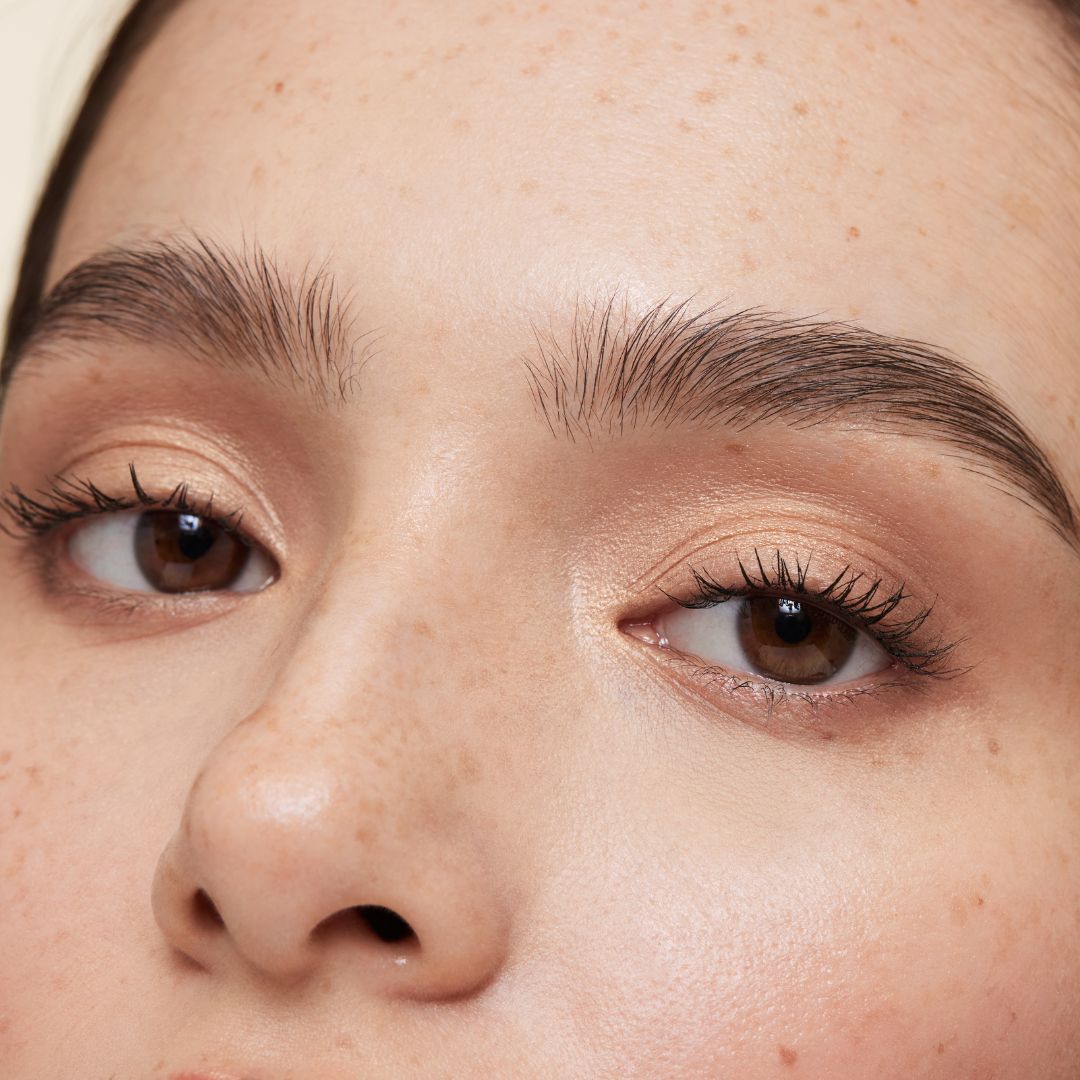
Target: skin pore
[{"x": 459, "y": 704}]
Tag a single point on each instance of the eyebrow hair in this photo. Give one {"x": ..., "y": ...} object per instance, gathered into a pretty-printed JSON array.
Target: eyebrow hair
[
  {"x": 233, "y": 309},
  {"x": 673, "y": 366}
]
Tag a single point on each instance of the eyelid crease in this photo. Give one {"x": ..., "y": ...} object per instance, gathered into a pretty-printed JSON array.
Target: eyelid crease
[{"x": 849, "y": 596}]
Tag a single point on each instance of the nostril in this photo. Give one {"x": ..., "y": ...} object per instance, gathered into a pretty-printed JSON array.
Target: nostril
[
  {"x": 206, "y": 913},
  {"x": 385, "y": 924}
]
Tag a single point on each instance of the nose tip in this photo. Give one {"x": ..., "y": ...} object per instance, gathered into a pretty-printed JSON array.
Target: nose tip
[{"x": 291, "y": 877}]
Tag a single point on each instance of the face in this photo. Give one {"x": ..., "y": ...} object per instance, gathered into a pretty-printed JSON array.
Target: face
[{"x": 459, "y": 641}]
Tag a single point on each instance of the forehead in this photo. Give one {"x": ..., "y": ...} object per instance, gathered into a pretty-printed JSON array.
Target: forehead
[{"x": 902, "y": 164}]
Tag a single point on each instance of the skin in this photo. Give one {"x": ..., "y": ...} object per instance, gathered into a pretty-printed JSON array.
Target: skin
[{"x": 446, "y": 704}]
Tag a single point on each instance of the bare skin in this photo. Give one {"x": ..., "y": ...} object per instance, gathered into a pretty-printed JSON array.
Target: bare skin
[{"x": 453, "y": 702}]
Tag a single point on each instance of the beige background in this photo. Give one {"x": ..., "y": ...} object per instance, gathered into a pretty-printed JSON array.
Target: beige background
[{"x": 47, "y": 50}]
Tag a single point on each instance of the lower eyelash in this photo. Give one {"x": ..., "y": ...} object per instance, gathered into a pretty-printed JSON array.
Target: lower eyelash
[{"x": 774, "y": 696}]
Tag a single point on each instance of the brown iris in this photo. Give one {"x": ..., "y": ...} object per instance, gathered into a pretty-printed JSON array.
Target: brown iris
[
  {"x": 791, "y": 641},
  {"x": 180, "y": 552}
]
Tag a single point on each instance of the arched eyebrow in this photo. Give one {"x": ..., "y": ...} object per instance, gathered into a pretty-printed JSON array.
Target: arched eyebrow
[
  {"x": 233, "y": 309},
  {"x": 672, "y": 366}
]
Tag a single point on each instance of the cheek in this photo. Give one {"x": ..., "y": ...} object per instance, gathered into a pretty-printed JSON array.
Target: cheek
[{"x": 847, "y": 950}]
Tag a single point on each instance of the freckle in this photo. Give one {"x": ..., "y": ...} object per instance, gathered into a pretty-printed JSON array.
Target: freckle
[
  {"x": 800, "y": 108},
  {"x": 742, "y": 29},
  {"x": 706, "y": 97},
  {"x": 754, "y": 214},
  {"x": 5, "y": 757},
  {"x": 787, "y": 1055},
  {"x": 603, "y": 97},
  {"x": 748, "y": 263},
  {"x": 854, "y": 312},
  {"x": 462, "y": 124},
  {"x": 278, "y": 87},
  {"x": 941, "y": 1048},
  {"x": 879, "y": 172},
  {"x": 531, "y": 69},
  {"x": 684, "y": 125},
  {"x": 913, "y": 3},
  {"x": 923, "y": 232},
  {"x": 821, "y": 10},
  {"x": 1071, "y": 421},
  {"x": 409, "y": 75},
  {"x": 258, "y": 174},
  {"x": 257, "y": 107},
  {"x": 678, "y": 46},
  {"x": 312, "y": 46},
  {"x": 733, "y": 57},
  {"x": 560, "y": 208},
  {"x": 613, "y": 35},
  {"x": 957, "y": 912},
  {"x": 854, "y": 232},
  {"x": 994, "y": 746},
  {"x": 759, "y": 59},
  {"x": 528, "y": 187},
  {"x": 545, "y": 50}
]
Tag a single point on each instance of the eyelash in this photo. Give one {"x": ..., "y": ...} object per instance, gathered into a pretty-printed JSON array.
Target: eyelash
[
  {"x": 868, "y": 605},
  {"x": 71, "y": 499},
  {"x": 34, "y": 519}
]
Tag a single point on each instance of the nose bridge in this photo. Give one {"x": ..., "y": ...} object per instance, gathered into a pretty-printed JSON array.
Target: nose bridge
[{"x": 334, "y": 799}]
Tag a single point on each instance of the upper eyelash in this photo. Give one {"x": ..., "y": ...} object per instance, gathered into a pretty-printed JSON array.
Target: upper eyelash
[
  {"x": 850, "y": 595},
  {"x": 69, "y": 498}
]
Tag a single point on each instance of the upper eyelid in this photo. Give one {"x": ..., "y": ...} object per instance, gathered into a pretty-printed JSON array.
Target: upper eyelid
[{"x": 928, "y": 653}]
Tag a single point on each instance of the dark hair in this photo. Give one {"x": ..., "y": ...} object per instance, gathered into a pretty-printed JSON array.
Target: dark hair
[{"x": 139, "y": 25}]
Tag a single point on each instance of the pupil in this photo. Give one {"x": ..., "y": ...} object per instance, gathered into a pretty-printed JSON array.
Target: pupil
[
  {"x": 792, "y": 625},
  {"x": 195, "y": 539}
]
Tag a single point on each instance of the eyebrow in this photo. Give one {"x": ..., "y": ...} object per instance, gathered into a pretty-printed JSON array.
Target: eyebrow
[
  {"x": 612, "y": 373},
  {"x": 673, "y": 366},
  {"x": 232, "y": 309}
]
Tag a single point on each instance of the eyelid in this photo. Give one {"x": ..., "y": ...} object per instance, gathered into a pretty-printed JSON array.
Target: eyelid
[
  {"x": 42, "y": 522},
  {"x": 888, "y": 613},
  {"x": 756, "y": 695},
  {"x": 67, "y": 498}
]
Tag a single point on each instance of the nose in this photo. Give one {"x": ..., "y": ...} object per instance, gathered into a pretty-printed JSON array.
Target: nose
[{"x": 321, "y": 836}]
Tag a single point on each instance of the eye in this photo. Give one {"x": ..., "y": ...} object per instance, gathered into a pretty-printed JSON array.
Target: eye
[
  {"x": 781, "y": 638},
  {"x": 168, "y": 551}
]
